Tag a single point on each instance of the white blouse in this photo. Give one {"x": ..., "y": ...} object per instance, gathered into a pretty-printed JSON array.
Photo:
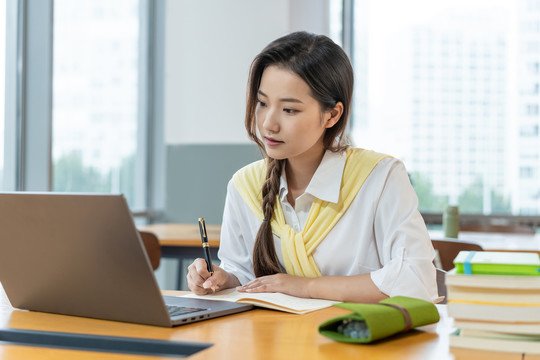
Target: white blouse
[{"x": 382, "y": 232}]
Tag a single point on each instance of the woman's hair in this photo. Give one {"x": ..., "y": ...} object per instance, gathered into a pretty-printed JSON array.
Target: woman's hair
[{"x": 326, "y": 69}]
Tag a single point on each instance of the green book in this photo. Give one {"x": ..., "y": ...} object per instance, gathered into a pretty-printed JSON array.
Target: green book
[{"x": 497, "y": 263}]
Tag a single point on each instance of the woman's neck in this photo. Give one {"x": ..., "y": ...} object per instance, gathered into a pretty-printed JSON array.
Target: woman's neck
[{"x": 299, "y": 173}]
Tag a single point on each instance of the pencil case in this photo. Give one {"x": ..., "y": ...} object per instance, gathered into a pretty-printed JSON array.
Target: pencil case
[{"x": 371, "y": 322}]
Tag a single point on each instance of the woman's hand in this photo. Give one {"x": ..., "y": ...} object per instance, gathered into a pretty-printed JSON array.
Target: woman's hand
[
  {"x": 338, "y": 288},
  {"x": 283, "y": 283},
  {"x": 201, "y": 282}
]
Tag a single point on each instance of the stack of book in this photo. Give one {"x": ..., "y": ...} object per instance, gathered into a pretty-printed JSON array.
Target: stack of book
[{"x": 494, "y": 298}]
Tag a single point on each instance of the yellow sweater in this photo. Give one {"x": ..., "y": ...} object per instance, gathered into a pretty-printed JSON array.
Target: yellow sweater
[{"x": 297, "y": 249}]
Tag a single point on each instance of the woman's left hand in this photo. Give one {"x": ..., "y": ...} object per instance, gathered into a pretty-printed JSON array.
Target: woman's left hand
[{"x": 283, "y": 283}]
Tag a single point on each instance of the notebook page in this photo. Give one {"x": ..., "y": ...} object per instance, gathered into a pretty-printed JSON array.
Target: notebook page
[{"x": 276, "y": 301}]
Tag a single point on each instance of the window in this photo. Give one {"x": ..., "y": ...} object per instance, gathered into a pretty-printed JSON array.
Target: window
[
  {"x": 83, "y": 99},
  {"x": 95, "y": 89},
  {"x": 441, "y": 88},
  {"x": 528, "y": 131},
  {"x": 532, "y": 110},
  {"x": 526, "y": 172}
]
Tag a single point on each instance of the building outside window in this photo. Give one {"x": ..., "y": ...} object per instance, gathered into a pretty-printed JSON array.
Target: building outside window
[{"x": 446, "y": 87}]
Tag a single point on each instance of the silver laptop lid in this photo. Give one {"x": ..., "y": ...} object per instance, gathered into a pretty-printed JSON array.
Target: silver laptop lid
[{"x": 75, "y": 254}]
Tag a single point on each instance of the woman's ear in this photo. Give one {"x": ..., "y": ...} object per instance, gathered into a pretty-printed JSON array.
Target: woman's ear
[{"x": 334, "y": 115}]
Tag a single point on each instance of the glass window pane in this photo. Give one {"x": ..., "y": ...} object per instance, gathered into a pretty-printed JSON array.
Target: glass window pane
[
  {"x": 2, "y": 86},
  {"x": 95, "y": 79},
  {"x": 451, "y": 88},
  {"x": 336, "y": 21}
]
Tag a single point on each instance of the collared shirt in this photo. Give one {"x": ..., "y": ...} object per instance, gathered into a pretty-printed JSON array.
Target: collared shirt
[{"x": 382, "y": 233}]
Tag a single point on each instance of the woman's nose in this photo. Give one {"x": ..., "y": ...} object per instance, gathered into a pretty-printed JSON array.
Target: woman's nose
[{"x": 271, "y": 122}]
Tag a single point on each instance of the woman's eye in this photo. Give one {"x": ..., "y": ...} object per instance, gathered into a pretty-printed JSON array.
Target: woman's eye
[
  {"x": 261, "y": 103},
  {"x": 290, "y": 111}
]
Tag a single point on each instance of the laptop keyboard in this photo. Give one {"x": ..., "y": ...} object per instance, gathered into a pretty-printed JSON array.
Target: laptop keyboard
[{"x": 181, "y": 310}]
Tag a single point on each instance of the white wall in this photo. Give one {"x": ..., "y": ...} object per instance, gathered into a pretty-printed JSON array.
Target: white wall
[{"x": 209, "y": 46}]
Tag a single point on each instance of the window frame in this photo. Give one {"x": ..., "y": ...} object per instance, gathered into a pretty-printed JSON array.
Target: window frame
[{"x": 28, "y": 114}]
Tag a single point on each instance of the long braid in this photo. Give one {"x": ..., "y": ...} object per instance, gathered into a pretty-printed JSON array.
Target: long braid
[{"x": 265, "y": 261}]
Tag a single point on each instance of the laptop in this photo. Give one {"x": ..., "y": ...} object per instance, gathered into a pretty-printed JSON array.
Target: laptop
[{"x": 81, "y": 254}]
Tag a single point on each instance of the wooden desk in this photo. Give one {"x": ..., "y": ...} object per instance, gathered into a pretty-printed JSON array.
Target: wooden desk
[
  {"x": 256, "y": 334},
  {"x": 186, "y": 236},
  {"x": 184, "y": 240}
]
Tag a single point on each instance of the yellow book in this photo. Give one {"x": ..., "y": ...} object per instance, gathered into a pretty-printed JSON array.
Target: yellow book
[
  {"x": 493, "y": 295},
  {"x": 486, "y": 311},
  {"x": 507, "y": 282},
  {"x": 495, "y": 298}
]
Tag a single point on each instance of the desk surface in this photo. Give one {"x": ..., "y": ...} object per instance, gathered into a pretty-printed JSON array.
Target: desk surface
[{"x": 256, "y": 334}]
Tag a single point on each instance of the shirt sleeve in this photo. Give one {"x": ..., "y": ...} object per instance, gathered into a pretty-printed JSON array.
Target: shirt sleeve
[
  {"x": 404, "y": 245},
  {"x": 237, "y": 237}
]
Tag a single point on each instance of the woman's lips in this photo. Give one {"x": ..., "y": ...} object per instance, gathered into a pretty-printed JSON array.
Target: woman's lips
[{"x": 272, "y": 142}]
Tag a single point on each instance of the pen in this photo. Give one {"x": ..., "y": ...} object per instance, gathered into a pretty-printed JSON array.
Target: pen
[{"x": 206, "y": 246}]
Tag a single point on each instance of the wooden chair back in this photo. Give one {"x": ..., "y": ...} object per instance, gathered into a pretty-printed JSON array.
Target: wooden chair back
[
  {"x": 441, "y": 285},
  {"x": 447, "y": 251},
  {"x": 153, "y": 249}
]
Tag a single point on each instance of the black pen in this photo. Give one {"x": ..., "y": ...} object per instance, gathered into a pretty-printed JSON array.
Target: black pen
[{"x": 206, "y": 246}]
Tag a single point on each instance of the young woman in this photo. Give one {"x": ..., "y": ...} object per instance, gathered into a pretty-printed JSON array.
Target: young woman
[{"x": 316, "y": 218}]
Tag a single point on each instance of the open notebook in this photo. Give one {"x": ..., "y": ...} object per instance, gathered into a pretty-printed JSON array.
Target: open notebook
[{"x": 275, "y": 301}]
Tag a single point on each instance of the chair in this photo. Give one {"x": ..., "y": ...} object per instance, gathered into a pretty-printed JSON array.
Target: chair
[
  {"x": 153, "y": 249},
  {"x": 447, "y": 251},
  {"x": 441, "y": 285},
  {"x": 507, "y": 229}
]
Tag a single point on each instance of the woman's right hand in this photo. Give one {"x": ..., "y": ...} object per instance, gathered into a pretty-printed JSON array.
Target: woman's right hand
[{"x": 201, "y": 282}]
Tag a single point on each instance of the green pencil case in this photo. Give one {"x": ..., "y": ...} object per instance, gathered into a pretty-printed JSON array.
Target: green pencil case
[{"x": 371, "y": 322}]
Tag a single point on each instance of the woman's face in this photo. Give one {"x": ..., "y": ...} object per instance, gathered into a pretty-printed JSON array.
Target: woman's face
[{"x": 290, "y": 121}]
